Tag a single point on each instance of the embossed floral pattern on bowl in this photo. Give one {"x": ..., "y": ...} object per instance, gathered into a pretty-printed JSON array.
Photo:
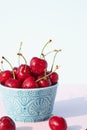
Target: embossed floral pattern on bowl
[{"x": 29, "y": 105}]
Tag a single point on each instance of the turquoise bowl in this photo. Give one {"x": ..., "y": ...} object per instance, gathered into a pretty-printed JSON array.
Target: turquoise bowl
[{"x": 29, "y": 105}]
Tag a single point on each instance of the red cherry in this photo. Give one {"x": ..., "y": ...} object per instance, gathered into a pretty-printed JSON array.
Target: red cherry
[
  {"x": 13, "y": 83},
  {"x": 54, "y": 77},
  {"x": 38, "y": 65},
  {"x": 43, "y": 81},
  {"x": 6, "y": 123},
  {"x": 5, "y": 75},
  {"x": 29, "y": 83},
  {"x": 57, "y": 123},
  {"x": 23, "y": 72}
]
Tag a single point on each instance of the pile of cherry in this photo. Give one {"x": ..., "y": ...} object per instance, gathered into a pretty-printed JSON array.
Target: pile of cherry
[{"x": 32, "y": 75}]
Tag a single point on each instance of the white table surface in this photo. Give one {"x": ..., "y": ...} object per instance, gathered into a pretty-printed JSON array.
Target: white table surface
[{"x": 70, "y": 103}]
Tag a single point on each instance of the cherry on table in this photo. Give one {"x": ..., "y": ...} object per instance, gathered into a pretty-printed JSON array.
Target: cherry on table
[
  {"x": 7, "y": 123},
  {"x": 57, "y": 123}
]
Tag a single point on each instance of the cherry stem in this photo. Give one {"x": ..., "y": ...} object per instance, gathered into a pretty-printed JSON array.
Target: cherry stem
[
  {"x": 55, "y": 58},
  {"x": 49, "y": 52},
  {"x": 2, "y": 65},
  {"x": 44, "y": 77},
  {"x": 20, "y": 46},
  {"x": 19, "y": 52},
  {"x": 10, "y": 66},
  {"x": 44, "y": 48}
]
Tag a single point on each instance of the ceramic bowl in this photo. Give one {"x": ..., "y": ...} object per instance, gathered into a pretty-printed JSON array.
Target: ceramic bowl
[{"x": 29, "y": 105}]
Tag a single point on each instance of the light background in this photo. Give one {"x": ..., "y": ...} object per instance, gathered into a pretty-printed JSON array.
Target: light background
[{"x": 34, "y": 22}]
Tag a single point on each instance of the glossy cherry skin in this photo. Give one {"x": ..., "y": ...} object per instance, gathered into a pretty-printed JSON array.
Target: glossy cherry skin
[
  {"x": 29, "y": 83},
  {"x": 6, "y": 123},
  {"x": 37, "y": 65},
  {"x": 44, "y": 82},
  {"x": 54, "y": 77},
  {"x": 13, "y": 83},
  {"x": 57, "y": 123},
  {"x": 5, "y": 75},
  {"x": 23, "y": 72}
]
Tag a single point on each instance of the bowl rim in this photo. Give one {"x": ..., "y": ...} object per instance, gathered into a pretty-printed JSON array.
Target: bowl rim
[{"x": 28, "y": 89}]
